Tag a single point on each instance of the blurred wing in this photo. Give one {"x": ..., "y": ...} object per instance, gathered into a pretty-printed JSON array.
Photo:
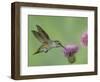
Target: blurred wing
[
  {"x": 38, "y": 36},
  {"x": 43, "y": 33}
]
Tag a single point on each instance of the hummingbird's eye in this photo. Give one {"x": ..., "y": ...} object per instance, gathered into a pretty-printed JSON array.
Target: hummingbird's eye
[{"x": 58, "y": 42}]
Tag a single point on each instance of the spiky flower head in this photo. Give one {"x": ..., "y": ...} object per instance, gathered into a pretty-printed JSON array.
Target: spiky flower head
[
  {"x": 70, "y": 51},
  {"x": 84, "y": 39}
]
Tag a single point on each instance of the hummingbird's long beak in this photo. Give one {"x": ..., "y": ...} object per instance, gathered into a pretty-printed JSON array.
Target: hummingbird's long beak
[{"x": 62, "y": 45}]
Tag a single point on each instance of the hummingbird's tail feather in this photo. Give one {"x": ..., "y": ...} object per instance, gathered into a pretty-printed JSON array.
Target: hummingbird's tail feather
[{"x": 36, "y": 53}]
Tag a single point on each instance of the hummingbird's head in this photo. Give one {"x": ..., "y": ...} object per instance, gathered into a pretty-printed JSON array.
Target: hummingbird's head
[{"x": 58, "y": 43}]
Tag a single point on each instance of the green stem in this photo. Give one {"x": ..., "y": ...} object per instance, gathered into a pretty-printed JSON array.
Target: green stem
[{"x": 71, "y": 59}]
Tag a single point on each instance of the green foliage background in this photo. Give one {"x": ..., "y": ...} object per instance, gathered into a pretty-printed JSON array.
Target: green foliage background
[{"x": 65, "y": 29}]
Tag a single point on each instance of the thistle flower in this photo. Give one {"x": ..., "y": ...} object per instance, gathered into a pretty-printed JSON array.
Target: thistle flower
[
  {"x": 84, "y": 39},
  {"x": 70, "y": 51}
]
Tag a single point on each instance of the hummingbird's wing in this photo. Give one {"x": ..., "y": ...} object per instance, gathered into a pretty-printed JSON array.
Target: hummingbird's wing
[
  {"x": 43, "y": 34},
  {"x": 38, "y": 36}
]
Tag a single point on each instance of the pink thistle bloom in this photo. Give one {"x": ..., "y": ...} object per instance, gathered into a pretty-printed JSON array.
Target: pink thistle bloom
[
  {"x": 84, "y": 39},
  {"x": 70, "y": 50}
]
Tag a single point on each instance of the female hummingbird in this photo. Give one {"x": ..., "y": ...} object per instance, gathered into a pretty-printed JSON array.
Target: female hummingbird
[{"x": 46, "y": 42}]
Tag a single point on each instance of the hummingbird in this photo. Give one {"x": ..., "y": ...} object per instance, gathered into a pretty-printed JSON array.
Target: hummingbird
[{"x": 46, "y": 42}]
